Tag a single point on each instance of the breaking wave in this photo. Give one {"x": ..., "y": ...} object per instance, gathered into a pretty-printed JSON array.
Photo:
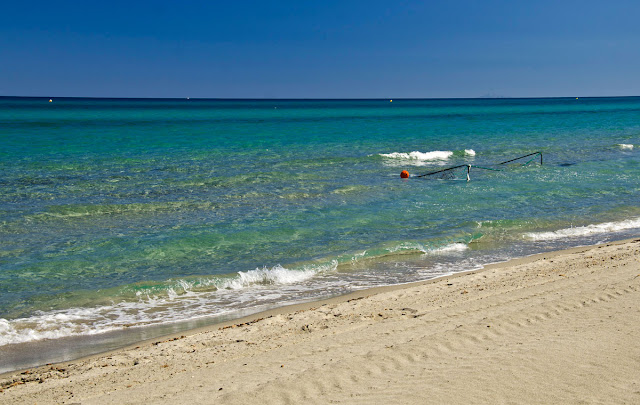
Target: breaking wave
[
  {"x": 171, "y": 301},
  {"x": 189, "y": 299},
  {"x": 587, "y": 230},
  {"x": 417, "y": 158}
]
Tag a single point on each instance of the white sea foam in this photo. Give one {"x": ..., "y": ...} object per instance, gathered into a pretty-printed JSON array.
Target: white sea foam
[
  {"x": 275, "y": 275},
  {"x": 190, "y": 299},
  {"x": 408, "y": 246},
  {"x": 451, "y": 248},
  {"x": 578, "y": 231},
  {"x": 358, "y": 256},
  {"x": 470, "y": 152},
  {"x": 627, "y": 146},
  {"x": 179, "y": 302},
  {"x": 417, "y": 158},
  {"x": 454, "y": 247},
  {"x": 182, "y": 300},
  {"x": 52, "y": 325}
]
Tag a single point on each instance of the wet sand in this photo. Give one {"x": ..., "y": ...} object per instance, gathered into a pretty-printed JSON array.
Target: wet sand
[{"x": 558, "y": 327}]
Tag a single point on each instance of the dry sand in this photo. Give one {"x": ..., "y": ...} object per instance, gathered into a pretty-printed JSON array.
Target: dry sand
[{"x": 557, "y": 328}]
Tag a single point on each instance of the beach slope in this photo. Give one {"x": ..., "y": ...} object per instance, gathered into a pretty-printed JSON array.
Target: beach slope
[{"x": 560, "y": 327}]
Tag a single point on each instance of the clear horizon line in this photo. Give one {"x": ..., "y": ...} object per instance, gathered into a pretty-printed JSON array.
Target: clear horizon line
[{"x": 312, "y": 98}]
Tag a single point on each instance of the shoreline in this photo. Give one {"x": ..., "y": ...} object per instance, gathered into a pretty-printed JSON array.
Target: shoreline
[
  {"x": 285, "y": 309},
  {"x": 122, "y": 335},
  {"x": 538, "y": 318}
]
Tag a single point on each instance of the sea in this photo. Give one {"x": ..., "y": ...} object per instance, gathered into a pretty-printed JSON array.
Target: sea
[{"x": 127, "y": 219}]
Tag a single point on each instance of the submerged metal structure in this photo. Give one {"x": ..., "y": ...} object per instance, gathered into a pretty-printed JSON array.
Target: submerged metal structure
[{"x": 462, "y": 172}]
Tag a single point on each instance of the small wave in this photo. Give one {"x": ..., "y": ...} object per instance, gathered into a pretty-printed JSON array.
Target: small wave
[
  {"x": 275, "y": 275},
  {"x": 415, "y": 246},
  {"x": 417, "y": 158},
  {"x": 187, "y": 299},
  {"x": 454, "y": 247},
  {"x": 416, "y": 155},
  {"x": 626, "y": 146},
  {"x": 53, "y": 325},
  {"x": 166, "y": 302},
  {"x": 587, "y": 230}
]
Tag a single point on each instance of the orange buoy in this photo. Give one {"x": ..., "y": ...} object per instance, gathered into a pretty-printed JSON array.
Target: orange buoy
[{"x": 404, "y": 174}]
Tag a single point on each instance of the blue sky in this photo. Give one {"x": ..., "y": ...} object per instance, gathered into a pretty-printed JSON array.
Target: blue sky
[{"x": 320, "y": 49}]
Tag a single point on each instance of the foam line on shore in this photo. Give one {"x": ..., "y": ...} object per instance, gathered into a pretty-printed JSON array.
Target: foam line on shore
[
  {"x": 593, "y": 229},
  {"x": 190, "y": 299}
]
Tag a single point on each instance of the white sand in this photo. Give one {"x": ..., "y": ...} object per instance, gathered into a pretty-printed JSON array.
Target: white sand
[{"x": 561, "y": 328}]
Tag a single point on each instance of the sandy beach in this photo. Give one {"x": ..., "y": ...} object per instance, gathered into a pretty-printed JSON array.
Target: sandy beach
[{"x": 559, "y": 327}]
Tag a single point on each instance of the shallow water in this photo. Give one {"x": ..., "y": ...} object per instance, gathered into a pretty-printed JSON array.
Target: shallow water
[{"x": 126, "y": 213}]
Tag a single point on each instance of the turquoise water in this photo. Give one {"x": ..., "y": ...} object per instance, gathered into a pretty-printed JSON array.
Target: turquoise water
[{"x": 128, "y": 213}]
